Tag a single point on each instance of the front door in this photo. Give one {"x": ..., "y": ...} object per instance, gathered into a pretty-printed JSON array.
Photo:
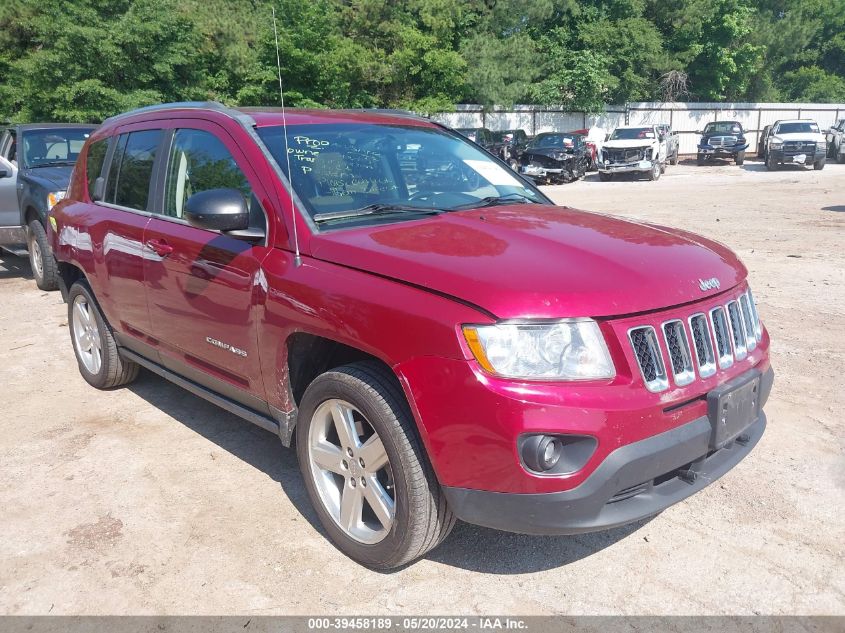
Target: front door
[
  {"x": 10, "y": 214},
  {"x": 203, "y": 286}
]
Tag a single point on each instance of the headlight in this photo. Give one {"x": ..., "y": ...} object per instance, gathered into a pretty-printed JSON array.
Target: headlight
[
  {"x": 564, "y": 350},
  {"x": 54, "y": 197},
  {"x": 776, "y": 144}
]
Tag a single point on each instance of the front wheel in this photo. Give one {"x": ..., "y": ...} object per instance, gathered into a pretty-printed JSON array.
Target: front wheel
[
  {"x": 700, "y": 159},
  {"x": 93, "y": 342},
  {"x": 840, "y": 155},
  {"x": 45, "y": 270},
  {"x": 771, "y": 163},
  {"x": 365, "y": 468},
  {"x": 655, "y": 172},
  {"x": 819, "y": 164},
  {"x": 674, "y": 159},
  {"x": 514, "y": 164},
  {"x": 740, "y": 158}
]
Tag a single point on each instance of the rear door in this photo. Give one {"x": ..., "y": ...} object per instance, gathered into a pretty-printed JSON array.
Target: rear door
[
  {"x": 10, "y": 214},
  {"x": 203, "y": 286}
]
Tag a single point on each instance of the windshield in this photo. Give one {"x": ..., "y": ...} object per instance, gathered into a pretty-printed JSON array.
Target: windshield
[
  {"x": 340, "y": 168},
  {"x": 54, "y": 146},
  {"x": 801, "y": 127},
  {"x": 631, "y": 133},
  {"x": 552, "y": 141},
  {"x": 723, "y": 127}
]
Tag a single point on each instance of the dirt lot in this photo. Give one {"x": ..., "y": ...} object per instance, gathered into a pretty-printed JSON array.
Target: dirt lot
[{"x": 149, "y": 500}]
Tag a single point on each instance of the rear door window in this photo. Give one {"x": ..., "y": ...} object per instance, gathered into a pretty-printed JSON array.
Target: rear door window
[
  {"x": 132, "y": 169},
  {"x": 94, "y": 162}
]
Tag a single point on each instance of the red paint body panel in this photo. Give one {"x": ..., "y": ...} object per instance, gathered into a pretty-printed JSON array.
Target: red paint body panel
[{"x": 400, "y": 292}]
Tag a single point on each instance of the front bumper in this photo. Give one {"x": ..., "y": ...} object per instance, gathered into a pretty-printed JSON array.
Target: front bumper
[
  {"x": 721, "y": 151},
  {"x": 635, "y": 481},
  {"x": 620, "y": 168},
  {"x": 789, "y": 158}
]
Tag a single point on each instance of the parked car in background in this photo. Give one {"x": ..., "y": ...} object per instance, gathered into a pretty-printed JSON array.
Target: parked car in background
[
  {"x": 555, "y": 158},
  {"x": 480, "y": 135},
  {"x": 592, "y": 149},
  {"x": 763, "y": 141},
  {"x": 722, "y": 139},
  {"x": 796, "y": 142},
  {"x": 451, "y": 346},
  {"x": 672, "y": 141},
  {"x": 836, "y": 141},
  {"x": 633, "y": 149},
  {"x": 509, "y": 145},
  {"x": 36, "y": 161}
]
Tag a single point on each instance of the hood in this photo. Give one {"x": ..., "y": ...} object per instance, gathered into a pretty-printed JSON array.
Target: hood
[
  {"x": 800, "y": 136},
  {"x": 630, "y": 143},
  {"x": 539, "y": 260},
  {"x": 53, "y": 178},
  {"x": 551, "y": 152}
]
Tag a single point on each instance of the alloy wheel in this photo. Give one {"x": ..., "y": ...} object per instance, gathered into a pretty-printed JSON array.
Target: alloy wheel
[
  {"x": 86, "y": 335},
  {"x": 351, "y": 471},
  {"x": 35, "y": 257}
]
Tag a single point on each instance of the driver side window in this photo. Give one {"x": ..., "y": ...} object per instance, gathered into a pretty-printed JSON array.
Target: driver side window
[{"x": 198, "y": 162}]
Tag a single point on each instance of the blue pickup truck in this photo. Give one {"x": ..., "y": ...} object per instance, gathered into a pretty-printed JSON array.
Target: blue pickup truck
[{"x": 36, "y": 161}]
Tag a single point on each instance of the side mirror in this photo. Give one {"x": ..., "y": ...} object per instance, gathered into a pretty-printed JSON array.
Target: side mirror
[
  {"x": 699, "y": 132},
  {"x": 217, "y": 210}
]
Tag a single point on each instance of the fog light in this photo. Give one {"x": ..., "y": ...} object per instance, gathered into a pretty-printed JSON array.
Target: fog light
[
  {"x": 555, "y": 454},
  {"x": 542, "y": 452}
]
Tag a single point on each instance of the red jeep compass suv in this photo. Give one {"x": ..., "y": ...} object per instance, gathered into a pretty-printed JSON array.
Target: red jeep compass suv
[{"x": 436, "y": 337}]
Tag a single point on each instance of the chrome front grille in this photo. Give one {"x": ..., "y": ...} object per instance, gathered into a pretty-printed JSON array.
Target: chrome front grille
[
  {"x": 723, "y": 141},
  {"x": 793, "y": 148},
  {"x": 650, "y": 360},
  {"x": 715, "y": 340}
]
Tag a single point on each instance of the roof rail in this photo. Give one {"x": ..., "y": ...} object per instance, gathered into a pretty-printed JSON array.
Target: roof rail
[
  {"x": 184, "y": 105},
  {"x": 395, "y": 112}
]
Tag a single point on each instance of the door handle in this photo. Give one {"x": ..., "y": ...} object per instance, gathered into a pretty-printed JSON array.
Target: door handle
[{"x": 161, "y": 247}]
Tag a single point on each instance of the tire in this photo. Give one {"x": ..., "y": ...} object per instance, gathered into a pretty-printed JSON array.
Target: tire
[
  {"x": 840, "y": 155},
  {"x": 655, "y": 172},
  {"x": 514, "y": 164},
  {"x": 700, "y": 159},
  {"x": 771, "y": 165},
  {"x": 605, "y": 177},
  {"x": 45, "y": 270},
  {"x": 369, "y": 395},
  {"x": 92, "y": 338},
  {"x": 819, "y": 164},
  {"x": 674, "y": 159},
  {"x": 740, "y": 157}
]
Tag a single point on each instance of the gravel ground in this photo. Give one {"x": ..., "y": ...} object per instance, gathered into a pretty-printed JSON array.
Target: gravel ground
[{"x": 149, "y": 500}]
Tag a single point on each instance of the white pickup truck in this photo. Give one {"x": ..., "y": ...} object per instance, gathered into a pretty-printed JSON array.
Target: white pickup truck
[
  {"x": 795, "y": 142},
  {"x": 634, "y": 148}
]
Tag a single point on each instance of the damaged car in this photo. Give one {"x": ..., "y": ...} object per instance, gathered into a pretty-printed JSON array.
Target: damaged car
[
  {"x": 722, "y": 139},
  {"x": 555, "y": 158},
  {"x": 633, "y": 149},
  {"x": 509, "y": 146}
]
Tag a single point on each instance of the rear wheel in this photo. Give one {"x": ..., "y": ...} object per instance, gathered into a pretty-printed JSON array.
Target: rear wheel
[
  {"x": 740, "y": 158},
  {"x": 44, "y": 267},
  {"x": 365, "y": 468},
  {"x": 93, "y": 342},
  {"x": 674, "y": 159}
]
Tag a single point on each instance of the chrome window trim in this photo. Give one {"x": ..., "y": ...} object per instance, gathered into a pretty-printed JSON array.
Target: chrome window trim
[
  {"x": 725, "y": 360},
  {"x": 661, "y": 381},
  {"x": 686, "y": 376},
  {"x": 709, "y": 368}
]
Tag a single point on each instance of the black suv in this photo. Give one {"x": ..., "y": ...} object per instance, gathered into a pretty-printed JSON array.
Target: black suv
[{"x": 36, "y": 161}]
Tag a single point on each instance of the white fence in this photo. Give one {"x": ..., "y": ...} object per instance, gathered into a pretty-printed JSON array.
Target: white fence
[{"x": 685, "y": 118}]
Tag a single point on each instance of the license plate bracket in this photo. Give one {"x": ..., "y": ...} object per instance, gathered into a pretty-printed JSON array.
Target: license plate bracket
[{"x": 733, "y": 407}]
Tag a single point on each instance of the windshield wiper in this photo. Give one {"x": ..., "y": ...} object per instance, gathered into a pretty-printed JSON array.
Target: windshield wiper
[
  {"x": 491, "y": 201},
  {"x": 54, "y": 163},
  {"x": 378, "y": 208}
]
